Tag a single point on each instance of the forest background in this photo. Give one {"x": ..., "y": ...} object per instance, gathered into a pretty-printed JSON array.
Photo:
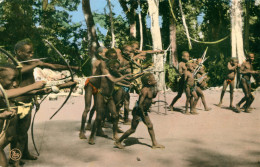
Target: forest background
[{"x": 60, "y": 22}]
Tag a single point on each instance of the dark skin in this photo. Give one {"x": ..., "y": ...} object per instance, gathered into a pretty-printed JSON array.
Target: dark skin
[
  {"x": 104, "y": 99},
  {"x": 23, "y": 54},
  {"x": 247, "y": 71},
  {"x": 8, "y": 80},
  {"x": 127, "y": 51},
  {"x": 96, "y": 69},
  {"x": 190, "y": 94},
  {"x": 88, "y": 96},
  {"x": 230, "y": 80},
  {"x": 182, "y": 69},
  {"x": 199, "y": 88},
  {"x": 145, "y": 100}
]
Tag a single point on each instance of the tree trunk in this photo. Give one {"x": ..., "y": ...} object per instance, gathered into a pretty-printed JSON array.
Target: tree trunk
[
  {"x": 141, "y": 27},
  {"x": 246, "y": 26},
  {"x": 173, "y": 59},
  {"x": 112, "y": 24},
  {"x": 130, "y": 14},
  {"x": 236, "y": 31},
  {"x": 44, "y": 5},
  {"x": 92, "y": 36},
  {"x": 157, "y": 43}
]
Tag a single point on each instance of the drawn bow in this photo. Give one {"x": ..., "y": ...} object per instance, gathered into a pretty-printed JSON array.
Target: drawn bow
[
  {"x": 6, "y": 121},
  {"x": 72, "y": 78},
  {"x": 19, "y": 68},
  {"x": 71, "y": 89},
  {"x": 15, "y": 62}
]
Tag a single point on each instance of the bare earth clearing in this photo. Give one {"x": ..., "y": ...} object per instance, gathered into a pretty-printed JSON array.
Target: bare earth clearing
[{"x": 219, "y": 137}]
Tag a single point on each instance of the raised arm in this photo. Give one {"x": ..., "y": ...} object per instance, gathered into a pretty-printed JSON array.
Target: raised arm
[
  {"x": 230, "y": 67},
  {"x": 105, "y": 71}
]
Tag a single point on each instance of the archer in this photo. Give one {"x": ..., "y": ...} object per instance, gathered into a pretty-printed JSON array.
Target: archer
[{"x": 24, "y": 51}]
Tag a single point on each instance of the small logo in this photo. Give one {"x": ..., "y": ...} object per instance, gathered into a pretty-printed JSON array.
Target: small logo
[{"x": 15, "y": 154}]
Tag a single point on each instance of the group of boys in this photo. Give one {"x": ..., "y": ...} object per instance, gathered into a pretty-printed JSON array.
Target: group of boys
[
  {"x": 247, "y": 72},
  {"x": 193, "y": 79},
  {"x": 20, "y": 90},
  {"x": 112, "y": 78},
  {"x": 111, "y": 92}
]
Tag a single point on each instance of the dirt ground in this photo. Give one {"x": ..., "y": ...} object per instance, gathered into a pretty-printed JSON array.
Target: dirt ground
[{"x": 216, "y": 138}]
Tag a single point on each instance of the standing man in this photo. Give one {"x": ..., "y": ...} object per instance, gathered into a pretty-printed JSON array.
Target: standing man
[
  {"x": 182, "y": 69},
  {"x": 247, "y": 71},
  {"x": 24, "y": 51}
]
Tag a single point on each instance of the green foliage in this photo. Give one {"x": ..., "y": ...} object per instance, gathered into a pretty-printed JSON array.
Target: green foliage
[
  {"x": 171, "y": 77},
  {"x": 121, "y": 29}
]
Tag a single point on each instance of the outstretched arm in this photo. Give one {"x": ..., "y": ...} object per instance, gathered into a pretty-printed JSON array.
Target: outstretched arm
[
  {"x": 110, "y": 77},
  {"x": 12, "y": 93},
  {"x": 245, "y": 70}
]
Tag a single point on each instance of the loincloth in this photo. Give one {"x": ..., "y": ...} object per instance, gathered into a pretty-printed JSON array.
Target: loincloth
[
  {"x": 229, "y": 81},
  {"x": 126, "y": 89},
  {"x": 94, "y": 89},
  {"x": 247, "y": 81},
  {"x": 24, "y": 109},
  {"x": 192, "y": 88},
  {"x": 138, "y": 112},
  {"x": 106, "y": 98}
]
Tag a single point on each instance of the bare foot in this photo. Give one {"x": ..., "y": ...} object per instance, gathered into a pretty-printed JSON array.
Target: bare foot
[
  {"x": 101, "y": 134},
  {"x": 127, "y": 122},
  {"x": 88, "y": 127},
  {"x": 119, "y": 145},
  {"x": 115, "y": 137},
  {"x": 238, "y": 109},
  {"x": 231, "y": 106},
  {"x": 247, "y": 111},
  {"x": 219, "y": 104},
  {"x": 171, "y": 108},
  {"x": 158, "y": 146},
  {"x": 29, "y": 157},
  {"x": 186, "y": 113},
  {"x": 120, "y": 130},
  {"x": 91, "y": 141},
  {"x": 208, "y": 109},
  {"x": 82, "y": 135},
  {"x": 194, "y": 112}
]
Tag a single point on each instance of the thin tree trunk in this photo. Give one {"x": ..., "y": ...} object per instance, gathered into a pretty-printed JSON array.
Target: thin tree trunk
[
  {"x": 236, "y": 31},
  {"x": 246, "y": 26},
  {"x": 157, "y": 43},
  {"x": 130, "y": 14},
  {"x": 173, "y": 59},
  {"x": 92, "y": 36},
  {"x": 112, "y": 24},
  {"x": 141, "y": 27},
  {"x": 44, "y": 5}
]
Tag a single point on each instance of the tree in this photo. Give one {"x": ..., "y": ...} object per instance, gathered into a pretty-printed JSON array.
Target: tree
[
  {"x": 92, "y": 36},
  {"x": 158, "y": 59},
  {"x": 130, "y": 14}
]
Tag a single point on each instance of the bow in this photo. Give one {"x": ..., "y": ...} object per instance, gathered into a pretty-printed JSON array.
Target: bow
[
  {"x": 34, "y": 144},
  {"x": 15, "y": 62},
  {"x": 72, "y": 78},
  {"x": 6, "y": 122},
  {"x": 201, "y": 63}
]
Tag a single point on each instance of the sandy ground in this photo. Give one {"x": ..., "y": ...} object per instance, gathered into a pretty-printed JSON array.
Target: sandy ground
[{"x": 218, "y": 138}]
